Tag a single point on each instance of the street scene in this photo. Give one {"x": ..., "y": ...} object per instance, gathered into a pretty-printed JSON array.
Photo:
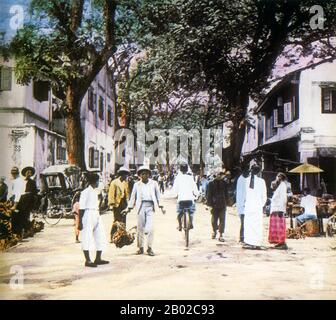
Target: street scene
[
  {"x": 52, "y": 265},
  {"x": 168, "y": 149}
]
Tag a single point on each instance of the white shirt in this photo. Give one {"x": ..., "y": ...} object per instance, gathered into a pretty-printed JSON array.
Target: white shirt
[
  {"x": 17, "y": 187},
  {"x": 309, "y": 204},
  {"x": 89, "y": 199},
  {"x": 279, "y": 198},
  {"x": 185, "y": 187},
  {"x": 146, "y": 191}
]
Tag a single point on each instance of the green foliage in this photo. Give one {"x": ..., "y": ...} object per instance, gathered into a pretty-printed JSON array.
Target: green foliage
[
  {"x": 225, "y": 48},
  {"x": 228, "y": 46},
  {"x": 68, "y": 42}
]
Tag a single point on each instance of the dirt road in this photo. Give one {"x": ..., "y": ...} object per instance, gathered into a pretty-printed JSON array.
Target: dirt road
[{"x": 52, "y": 266}]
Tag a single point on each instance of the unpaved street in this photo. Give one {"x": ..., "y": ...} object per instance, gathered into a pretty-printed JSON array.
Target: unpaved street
[{"x": 53, "y": 266}]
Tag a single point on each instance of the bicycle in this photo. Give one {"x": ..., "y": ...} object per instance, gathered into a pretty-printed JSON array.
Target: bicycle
[{"x": 186, "y": 223}]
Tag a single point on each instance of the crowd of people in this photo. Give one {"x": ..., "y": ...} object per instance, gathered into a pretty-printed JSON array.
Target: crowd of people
[
  {"x": 144, "y": 196},
  {"x": 21, "y": 193},
  {"x": 143, "y": 191}
]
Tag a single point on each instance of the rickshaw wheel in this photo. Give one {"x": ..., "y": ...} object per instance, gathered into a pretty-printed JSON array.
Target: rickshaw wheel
[{"x": 53, "y": 216}]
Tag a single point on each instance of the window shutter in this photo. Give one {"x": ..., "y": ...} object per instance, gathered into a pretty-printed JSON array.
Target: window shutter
[
  {"x": 326, "y": 103},
  {"x": 94, "y": 102},
  {"x": 91, "y": 157},
  {"x": 275, "y": 118},
  {"x": 294, "y": 115},
  {"x": 288, "y": 114},
  {"x": 41, "y": 90},
  {"x": 281, "y": 116},
  {"x": 109, "y": 116},
  {"x": 101, "y": 161},
  {"x": 90, "y": 99},
  {"x": 333, "y": 101},
  {"x": 6, "y": 78},
  {"x": 279, "y": 101},
  {"x": 96, "y": 159},
  {"x": 101, "y": 108}
]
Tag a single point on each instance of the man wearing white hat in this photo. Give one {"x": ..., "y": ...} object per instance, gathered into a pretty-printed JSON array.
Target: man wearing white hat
[
  {"x": 145, "y": 196},
  {"x": 118, "y": 197}
]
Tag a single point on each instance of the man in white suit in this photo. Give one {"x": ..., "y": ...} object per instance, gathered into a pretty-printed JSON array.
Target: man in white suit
[{"x": 145, "y": 197}]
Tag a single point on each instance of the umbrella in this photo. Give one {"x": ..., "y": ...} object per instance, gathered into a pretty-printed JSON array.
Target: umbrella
[{"x": 305, "y": 168}]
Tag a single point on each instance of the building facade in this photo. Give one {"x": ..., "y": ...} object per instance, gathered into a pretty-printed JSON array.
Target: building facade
[
  {"x": 32, "y": 127},
  {"x": 296, "y": 123}
]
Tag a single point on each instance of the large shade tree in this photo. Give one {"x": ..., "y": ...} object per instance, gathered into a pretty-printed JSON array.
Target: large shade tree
[
  {"x": 67, "y": 42},
  {"x": 229, "y": 48}
]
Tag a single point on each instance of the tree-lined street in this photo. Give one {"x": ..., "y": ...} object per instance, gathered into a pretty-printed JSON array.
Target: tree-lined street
[{"x": 110, "y": 86}]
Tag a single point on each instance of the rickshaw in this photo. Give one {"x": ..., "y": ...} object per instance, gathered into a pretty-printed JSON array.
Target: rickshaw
[{"x": 59, "y": 186}]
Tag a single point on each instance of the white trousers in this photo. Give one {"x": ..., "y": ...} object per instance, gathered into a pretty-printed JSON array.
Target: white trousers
[
  {"x": 145, "y": 224},
  {"x": 93, "y": 233}
]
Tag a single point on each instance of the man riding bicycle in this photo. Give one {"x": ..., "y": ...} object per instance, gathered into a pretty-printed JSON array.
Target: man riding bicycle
[{"x": 186, "y": 190}]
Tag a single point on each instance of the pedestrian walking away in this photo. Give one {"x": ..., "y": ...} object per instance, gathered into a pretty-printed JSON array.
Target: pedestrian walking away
[
  {"x": 256, "y": 196},
  {"x": 217, "y": 198},
  {"x": 90, "y": 223},
  {"x": 204, "y": 183},
  {"x": 277, "y": 224},
  {"x": 185, "y": 188},
  {"x": 118, "y": 198},
  {"x": 145, "y": 197},
  {"x": 241, "y": 198},
  {"x": 161, "y": 181}
]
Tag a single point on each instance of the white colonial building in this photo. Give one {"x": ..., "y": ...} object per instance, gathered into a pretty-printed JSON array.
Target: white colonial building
[
  {"x": 32, "y": 128},
  {"x": 296, "y": 123}
]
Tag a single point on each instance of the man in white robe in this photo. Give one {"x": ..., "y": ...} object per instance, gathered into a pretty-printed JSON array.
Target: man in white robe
[
  {"x": 91, "y": 224},
  {"x": 256, "y": 196}
]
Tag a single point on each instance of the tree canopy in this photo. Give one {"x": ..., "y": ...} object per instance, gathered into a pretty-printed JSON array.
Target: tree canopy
[
  {"x": 67, "y": 43},
  {"x": 201, "y": 59},
  {"x": 228, "y": 48}
]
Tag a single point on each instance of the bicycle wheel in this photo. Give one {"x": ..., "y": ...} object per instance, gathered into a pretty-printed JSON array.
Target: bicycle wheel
[
  {"x": 53, "y": 215},
  {"x": 186, "y": 221}
]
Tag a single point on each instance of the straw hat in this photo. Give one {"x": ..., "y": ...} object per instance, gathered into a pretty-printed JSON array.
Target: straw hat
[
  {"x": 143, "y": 168},
  {"x": 24, "y": 170}
]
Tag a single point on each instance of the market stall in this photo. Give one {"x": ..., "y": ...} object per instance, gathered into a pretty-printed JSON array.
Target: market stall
[{"x": 326, "y": 208}]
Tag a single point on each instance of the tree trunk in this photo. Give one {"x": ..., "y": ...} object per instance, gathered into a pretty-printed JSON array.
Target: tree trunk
[
  {"x": 73, "y": 129},
  {"x": 233, "y": 152}
]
